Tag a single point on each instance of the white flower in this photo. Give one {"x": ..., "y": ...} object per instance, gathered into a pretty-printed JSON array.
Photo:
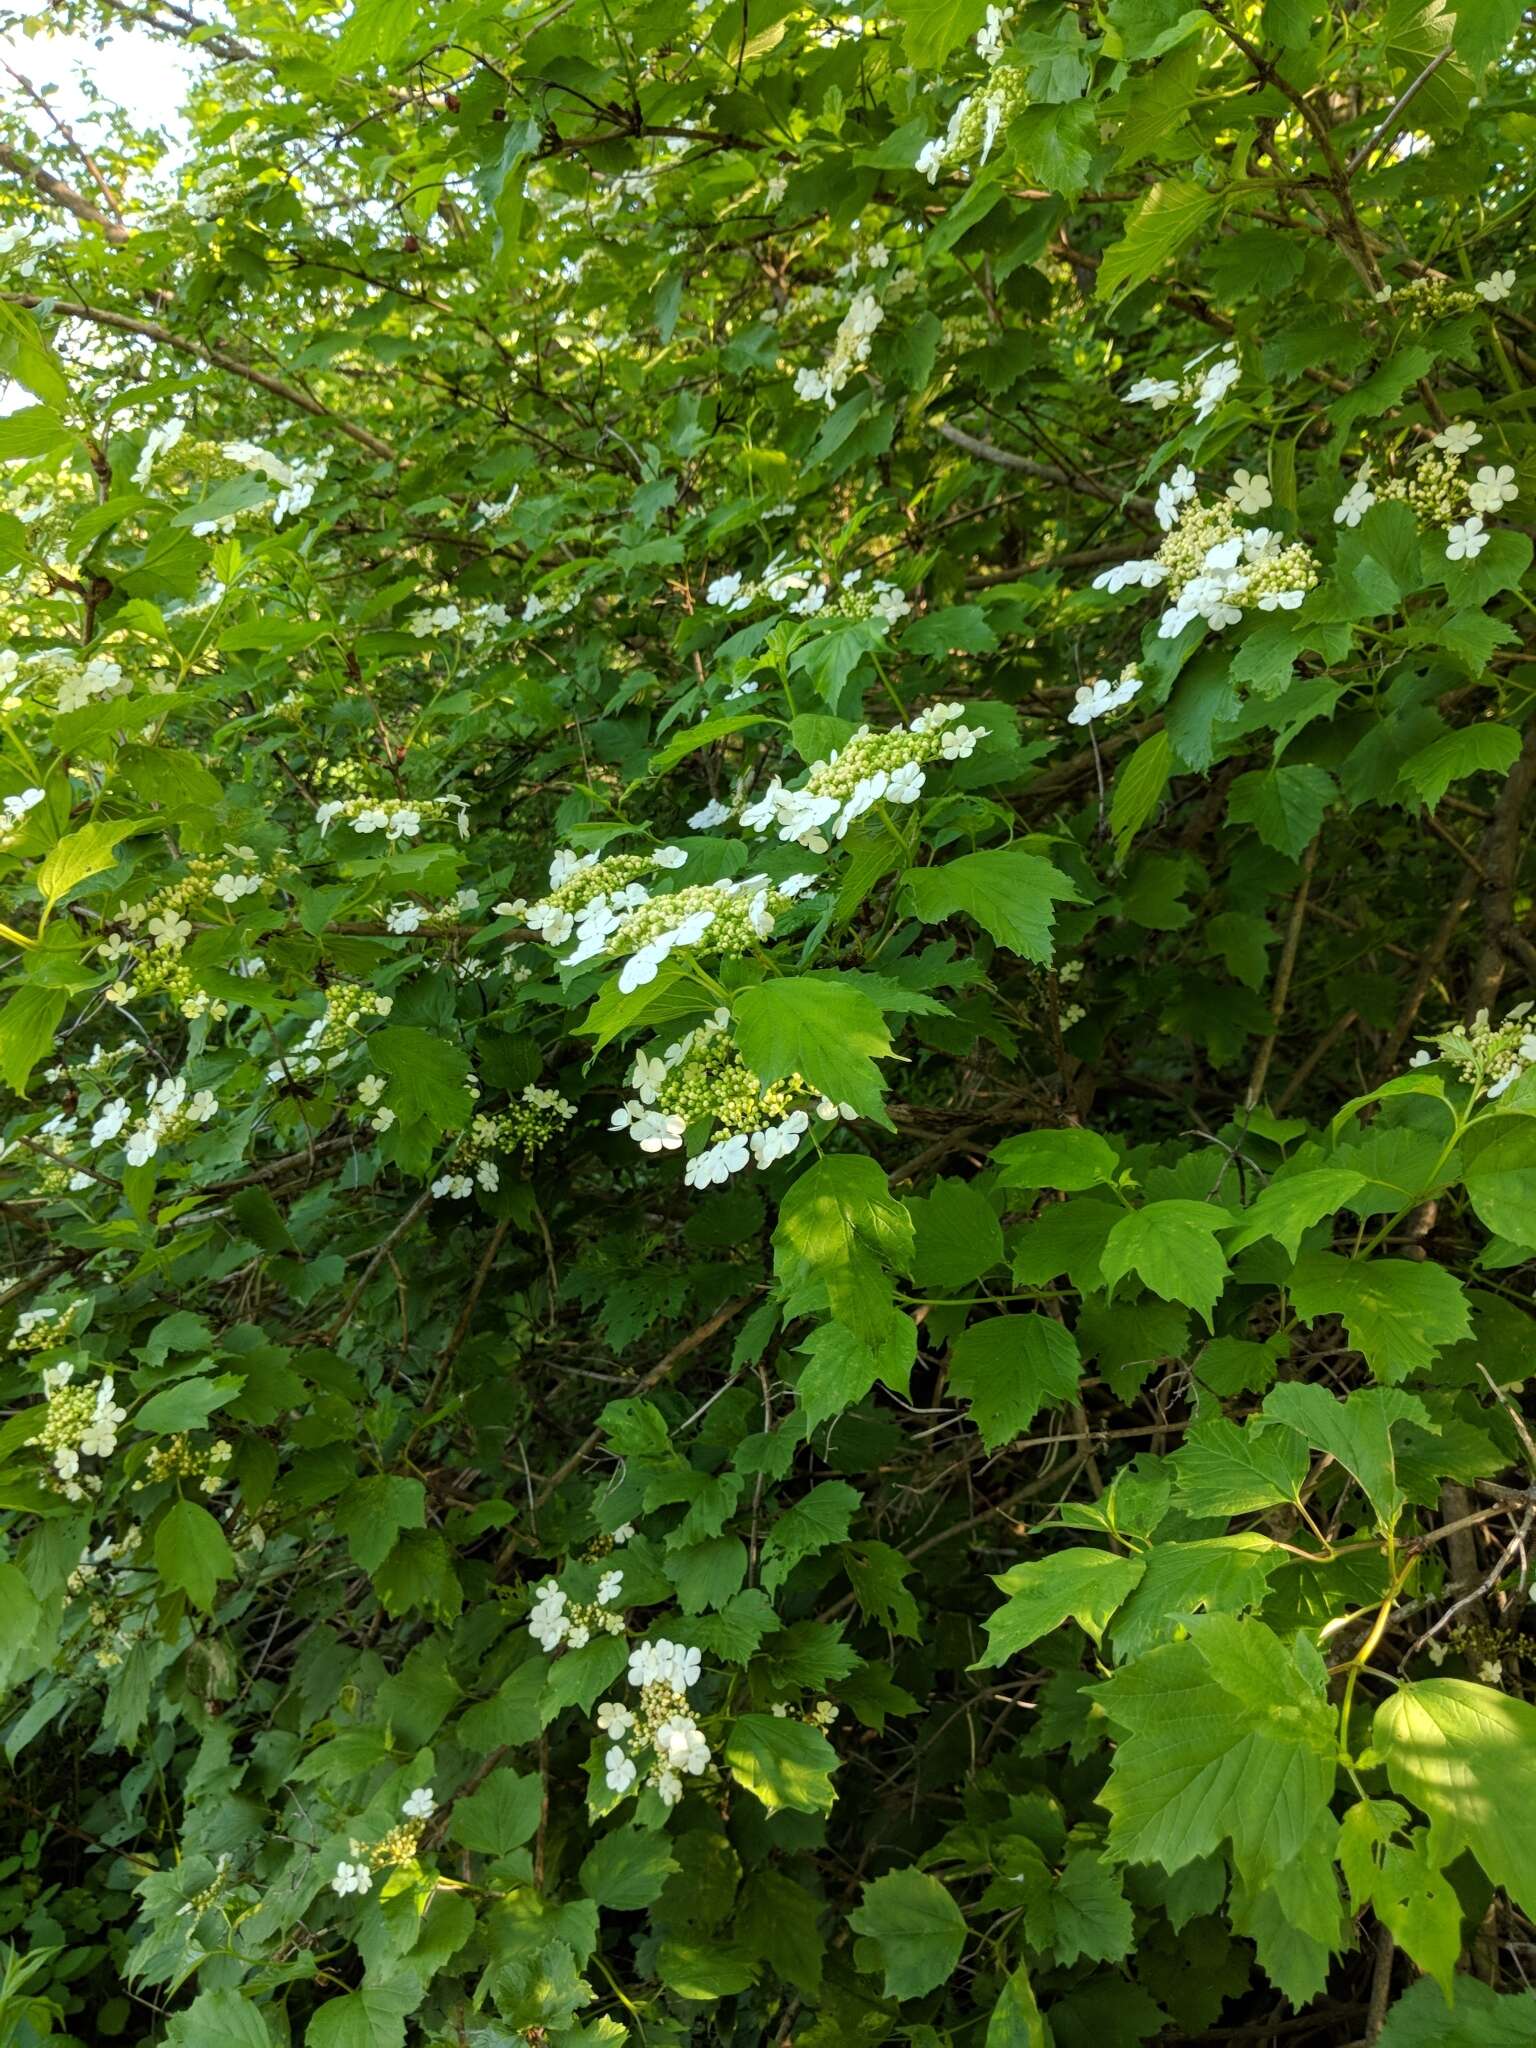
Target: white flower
[
  {"x": 170, "y": 931},
  {"x": 1098, "y": 698},
  {"x": 642, "y": 967},
  {"x": 1354, "y": 504},
  {"x": 1466, "y": 540},
  {"x": 727, "y": 590},
  {"x": 1281, "y": 600},
  {"x": 670, "y": 856},
  {"x": 351, "y": 1877},
  {"x": 369, "y": 1089},
  {"x": 1422, "y": 1058},
  {"x": 714, "y": 1166},
  {"x": 609, "y": 1587},
  {"x": 669, "y": 1787},
  {"x": 713, "y": 813},
  {"x": 141, "y": 1147},
  {"x": 781, "y": 1139},
  {"x": 1214, "y": 386},
  {"x": 1158, "y": 392},
  {"x": 403, "y": 824},
  {"x": 420, "y": 1805},
  {"x": 404, "y": 917},
  {"x": 906, "y": 783},
  {"x": 1497, "y": 285},
  {"x": 1249, "y": 493},
  {"x": 618, "y": 1770},
  {"x": 1144, "y": 574},
  {"x": 680, "y": 1745},
  {"x": 1493, "y": 488},
  {"x": 623, "y": 1534},
  {"x": 614, "y": 1719},
  {"x": 959, "y": 742},
  {"x": 110, "y": 1119},
  {"x": 1459, "y": 438},
  {"x": 1177, "y": 491},
  {"x": 457, "y": 1187}
]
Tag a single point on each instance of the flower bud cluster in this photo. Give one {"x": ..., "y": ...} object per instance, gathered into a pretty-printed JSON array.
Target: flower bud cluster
[
  {"x": 180, "y": 1458},
  {"x": 660, "y": 1733},
  {"x": 396, "y": 1848},
  {"x": 330, "y": 1037},
  {"x": 1438, "y": 494},
  {"x": 820, "y": 1714},
  {"x": 44, "y": 1328},
  {"x": 872, "y": 767},
  {"x": 525, "y": 1125},
  {"x": 1491, "y": 1056},
  {"x": 725, "y": 917},
  {"x": 979, "y": 118},
  {"x": 77, "y": 1422}
]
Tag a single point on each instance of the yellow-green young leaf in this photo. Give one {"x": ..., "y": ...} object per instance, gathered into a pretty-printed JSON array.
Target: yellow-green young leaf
[
  {"x": 1172, "y": 214},
  {"x": 1010, "y": 1367},
  {"x": 1016, "y": 2020},
  {"x": 819, "y": 1028},
  {"x": 839, "y": 1225},
  {"x": 1011, "y": 894},
  {"x": 1290, "y": 1206},
  {"x": 1229, "y": 1468},
  {"x": 782, "y": 1762},
  {"x": 692, "y": 737},
  {"x": 1067, "y": 1160},
  {"x": 916, "y": 1927},
  {"x": 27, "y": 357},
  {"x": 1470, "y": 750},
  {"x": 1087, "y": 1585},
  {"x": 1139, "y": 789},
  {"x": 932, "y": 28},
  {"x": 1465, "y": 1754},
  {"x": 79, "y": 855},
  {"x": 1356, "y": 1432},
  {"x": 27, "y": 1025},
  {"x": 191, "y": 1553}
]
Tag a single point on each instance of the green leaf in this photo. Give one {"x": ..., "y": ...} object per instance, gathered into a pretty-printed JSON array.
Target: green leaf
[
  {"x": 1010, "y": 1367},
  {"x": 1171, "y": 215},
  {"x": 783, "y": 1763},
  {"x": 191, "y": 1553},
  {"x": 932, "y": 28},
  {"x": 371, "y": 2018},
  {"x": 79, "y": 855},
  {"x": 957, "y": 1234},
  {"x": 1284, "y": 805},
  {"x": 188, "y": 1404},
  {"x": 1465, "y": 1755},
  {"x": 27, "y": 1025},
  {"x": 1355, "y": 1431},
  {"x": 501, "y": 1815},
  {"x": 917, "y": 1928},
  {"x": 1011, "y": 894},
  {"x": 1396, "y": 1312},
  {"x": 691, "y": 737},
  {"x": 1500, "y": 1176},
  {"x": 1068, "y": 1160},
  {"x": 841, "y": 1369},
  {"x": 1171, "y": 1246},
  {"x": 626, "y": 1869},
  {"x": 841, "y": 1225},
  {"x": 1480, "y": 2018},
  {"x": 821, "y": 1029},
  {"x": 1225, "y": 1737},
  {"x": 429, "y": 1076},
  {"x": 1226, "y": 1468},
  {"x": 1085, "y": 1584},
  {"x": 219, "y": 2019},
  {"x": 373, "y": 1511},
  {"x": 819, "y": 1518},
  {"x": 1139, "y": 789},
  {"x": 1470, "y": 750},
  {"x": 1291, "y": 1204},
  {"x": 1220, "y": 1574}
]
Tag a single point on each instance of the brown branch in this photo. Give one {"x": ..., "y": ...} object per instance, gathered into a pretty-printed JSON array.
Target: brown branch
[
  {"x": 1283, "y": 972},
  {"x": 59, "y": 193}
]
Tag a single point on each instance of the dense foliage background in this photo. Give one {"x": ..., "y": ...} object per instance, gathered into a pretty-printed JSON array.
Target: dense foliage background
[{"x": 770, "y": 1154}]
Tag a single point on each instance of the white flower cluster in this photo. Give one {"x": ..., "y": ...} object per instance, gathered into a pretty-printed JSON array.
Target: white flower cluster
[
  {"x": 871, "y": 768},
  {"x": 989, "y": 39},
  {"x": 157, "y": 442},
  {"x": 1214, "y": 569},
  {"x": 1204, "y": 383},
  {"x": 662, "y": 1725},
  {"x": 778, "y": 584},
  {"x": 850, "y": 347},
  {"x": 170, "y": 1113},
  {"x": 588, "y": 895},
  {"x": 527, "y": 1125},
  {"x": 296, "y": 481},
  {"x": 78, "y": 1422},
  {"x": 554, "y": 1619},
  {"x": 475, "y": 624},
  {"x": 1493, "y": 1056},
  {"x": 395, "y": 817},
  {"x": 82, "y": 683},
  {"x": 702, "y": 1079},
  {"x": 1098, "y": 698},
  {"x": 1436, "y": 492}
]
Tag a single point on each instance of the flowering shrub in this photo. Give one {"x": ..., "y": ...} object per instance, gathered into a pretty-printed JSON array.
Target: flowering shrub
[{"x": 769, "y": 1153}]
